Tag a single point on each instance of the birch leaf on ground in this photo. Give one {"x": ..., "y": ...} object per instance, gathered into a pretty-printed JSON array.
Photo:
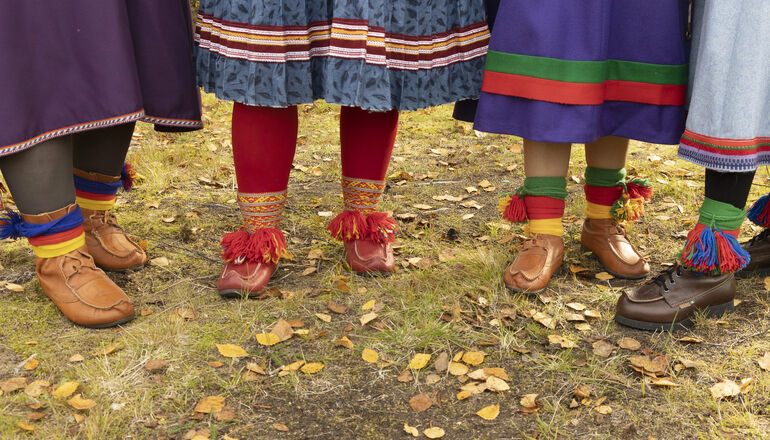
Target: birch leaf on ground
[
  {"x": 473, "y": 357},
  {"x": 370, "y": 355},
  {"x": 65, "y": 390},
  {"x": 267, "y": 339},
  {"x": 232, "y": 350},
  {"x": 725, "y": 389},
  {"x": 78, "y": 402},
  {"x": 210, "y": 404},
  {"x": 411, "y": 430},
  {"x": 764, "y": 361},
  {"x": 434, "y": 432},
  {"x": 419, "y": 361},
  {"x": 489, "y": 412}
]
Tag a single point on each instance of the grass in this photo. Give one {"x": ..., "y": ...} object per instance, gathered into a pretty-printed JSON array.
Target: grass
[{"x": 191, "y": 180}]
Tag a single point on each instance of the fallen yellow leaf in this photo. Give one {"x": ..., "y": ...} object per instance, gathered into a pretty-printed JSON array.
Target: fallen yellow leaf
[
  {"x": 474, "y": 357},
  {"x": 764, "y": 361},
  {"x": 25, "y": 426},
  {"x": 725, "y": 389},
  {"x": 369, "y": 305},
  {"x": 411, "y": 430},
  {"x": 267, "y": 339},
  {"x": 65, "y": 390},
  {"x": 210, "y": 404},
  {"x": 323, "y": 317},
  {"x": 370, "y": 355},
  {"x": 419, "y": 361},
  {"x": 367, "y": 318},
  {"x": 489, "y": 412},
  {"x": 434, "y": 433},
  {"x": 231, "y": 350},
  {"x": 78, "y": 402},
  {"x": 31, "y": 364},
  {"x": 345, "y": 342},
  {"x": 312, "y": 367},
  {"x": 457, "y": 369}
]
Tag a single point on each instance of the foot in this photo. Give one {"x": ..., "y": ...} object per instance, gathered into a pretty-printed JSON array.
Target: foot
[
  {"x": 669, "y": 301},
  {"x": 607, "y": 239},
  {"x": 82, "y": 291},
  {"x": 245, "y": 279},
  {"x": 538, "y": 260},
  {"x": 759, "y": 250},
  {"x": 110, "y": 247},
  {"x": 367, "y": 256}
]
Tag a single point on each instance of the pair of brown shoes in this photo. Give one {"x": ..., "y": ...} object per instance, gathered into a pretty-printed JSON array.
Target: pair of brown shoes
[
  {"x": 248, "y": 279},
  {"x": 672, "y": 299},
  {"x": 82, "y": 291},
  {"x": 542, "y": 255}
]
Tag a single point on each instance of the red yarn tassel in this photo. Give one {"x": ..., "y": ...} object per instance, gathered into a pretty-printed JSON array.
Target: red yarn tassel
[
  {"x": 261, "y": 246},
  {"x": 639, "y": 191},
  {"x": 381, "y": 228},
  {"x": 512, "y": 208},
  {"x": 128, "y": 176},
  {"x": 348, "y": 226}
]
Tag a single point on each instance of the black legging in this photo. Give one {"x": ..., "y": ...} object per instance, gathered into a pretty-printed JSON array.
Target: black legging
[
  {"x": 40, "y": 178},
  {"x": 732, "y": 188}
]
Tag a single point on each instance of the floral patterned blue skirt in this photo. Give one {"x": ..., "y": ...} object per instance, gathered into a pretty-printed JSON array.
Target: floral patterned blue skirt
[{"x": 374, "y": 54}]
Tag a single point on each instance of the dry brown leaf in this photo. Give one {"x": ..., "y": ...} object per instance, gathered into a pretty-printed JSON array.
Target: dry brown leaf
[
  {"x": 663, "y": 382},
  {"x": 183, "y": 314},
  {"x": 479, "y": 374},
  {"x": 593, "y": 314},
  {"x": 160, "y": 261},
  {"x": 225, "y": 415},
  {"x": 747, "y": 385},
  {"x": 442, "y": 362},
  {"x": 75, "y": 358},
  {"x": 767, "y": 283},
  {"x": 367, "y": 318},
  {"x": 724, "y": 390},
  {"x": 267, "y": 339},
  {"x": 25, "y": 426},
  {"x": 434, "y": 432},
  {"x": 65, "y": 390},
  {"x": 112, "y": 348},
  {"x": 655, "y": 365},
  {"x": 294, "y": 366},
  {"x": 603, "y": 348},
  {"x": 280, "y": 427},
  {"x": 13, "y": 287},
  {"x": 432, "y": 378},
  {"x": 629, "y": 344},
  {"x": 411, "y": 430},
  {"x": 36, "y": 388},
  {"x": 578, "y": 307},
  {"x": 34, "y": 416},
  {"x": 529, "y": 401},
  {"x": 78, "y": 402},
  {"x": 232, "y": 350},
  {"x": 255, "y": 368},
  {"x": 576, "y": 269},
  {"x": 312, "y": 367},
  {"x": 210, "y": 404},
  {"x": 464, "y": 394},
  {"x": 457, "y": 369},
  {"x": 561, "y": 341},
  {"x": 405, "y": 376},
  {"x": 686, "y": 363},
  {"x": 420, "y": 402},
  {"x": 574, "y": 317},
  {"x": 764, "y": 361},
  {"x": 323, "y": 317},
  {"x": 11, "y": 385},
  {"x": 691, "y": 339},
  {"x": 419, "y": 361},
  {"x": 603, "y": 409},
  {"x": 214, "y": 364},
  {"x": 583, "y": 391},
  {"x": 496, "y": 384},
  {"x": 545, "y": 320},
  {"x": 283, "y": 330},
  {"x": 336, "y": 308},
  {"x": 370, "y": 355},
  {"x": 583, "y": 327},
  {"x": 604, "y": 276},
  {"x": 308, "y": 271},
  {"x": 344, "y": 341},
  {"x": 473, "y": 358},
  {"x": 489, "y": 412},
  {"x": 497, "y": 372},
  {"x": 155, "y": 364}
]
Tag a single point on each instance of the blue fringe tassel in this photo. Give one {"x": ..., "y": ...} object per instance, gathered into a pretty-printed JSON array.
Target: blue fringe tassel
[
  {"x": 715, "y": 252},
  {"x": 10, "y": 225},
  {"x": 759, "y": 213}
]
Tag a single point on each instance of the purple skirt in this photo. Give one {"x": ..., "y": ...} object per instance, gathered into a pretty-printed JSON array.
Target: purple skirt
[
  {"x": 578, "y": 71},
  {"x": 83, "y": 64}
]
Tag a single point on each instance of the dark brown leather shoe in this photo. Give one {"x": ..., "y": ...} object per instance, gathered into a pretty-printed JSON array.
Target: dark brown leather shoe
[
  {"x": 669, "y": 301},
  {"x": 109, "y": 245},
  {"x": 607, "y": 239},
  {"x": 82, "y": 291},
  {"x": 759, "y": 250},
  {"x": 539, "y": 259},
  {"x": 245, "y": 279},
  {"x": 367, "y": 257}
]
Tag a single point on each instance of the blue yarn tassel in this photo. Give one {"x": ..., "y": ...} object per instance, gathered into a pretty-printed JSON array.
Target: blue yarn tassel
[
  {"x": 712, "y": 251},
  {"x": 10, "y": 225},
  {"x": 759, "y": 213}
]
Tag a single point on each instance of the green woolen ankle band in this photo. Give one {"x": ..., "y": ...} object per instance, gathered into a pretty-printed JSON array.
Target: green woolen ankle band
[
  {"x": 554, "y": 187},
  {"x": 720, "y": 215},
  {"x": 605, "y": 177}
]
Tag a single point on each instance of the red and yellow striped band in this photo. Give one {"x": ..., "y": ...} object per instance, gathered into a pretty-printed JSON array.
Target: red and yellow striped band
[
  {"x": 550, "y": 226},
  {"x": 50, "y": 247},
  {"x": 95, "y": 202}
]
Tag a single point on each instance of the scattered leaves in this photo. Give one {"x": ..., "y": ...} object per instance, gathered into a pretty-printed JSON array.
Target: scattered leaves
[
  {"x": 155, "y": 364},
  {"x": 267, "y": 339},
  {"x": 725, "y": 389},
  {"x": 545, "y": 320},
  {"x": 312, "y": 367},
  {"x": 420, "y": 402},
  {"x": 603, "y": 348},
  {"x": 370, "y": 355},
  {"x": 367, "y": 318},
  {"x": 232, "y": 350},
  {"x": 489, "y": 412},
  {"x": 473, "y": 357},
  {"x": 419, "y": 361},
  {"x": 78, "y": 402},
  {"x": 561, "y": 341},
  {"x": 283, "y": 330},
  {"x": 65, "y": 390},
  {"x": 210, "y": 404},
  {"x": 344, "y": 341},
  {"x": 629, "y": 344}
]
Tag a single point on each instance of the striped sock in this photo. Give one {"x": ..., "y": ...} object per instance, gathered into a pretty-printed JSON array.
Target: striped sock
[
  {"x": 362, "y": 195},
  {"x": 95, "y": 191},
  {"x": 539, "y": 200},
  {"x": 610, "y": 194},
  {"x": 360, "y": 220},
  {"x": 545, "y": 214},
  {"x": 262, "y": 210}
]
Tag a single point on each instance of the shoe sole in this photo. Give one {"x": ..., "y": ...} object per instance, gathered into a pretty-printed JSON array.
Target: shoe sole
[
  {"x": 534, "y": 292},
  {"x": 234, "y": 293},
  {"x": 711, "y": 312},
  {"x": 109, "y": 324},
  {"x": 616, "y": 275}
]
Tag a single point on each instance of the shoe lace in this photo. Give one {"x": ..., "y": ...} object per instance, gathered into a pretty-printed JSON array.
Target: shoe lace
[
  {"x": 667, "y": 276},
  {"x": 759, "y": 237}
]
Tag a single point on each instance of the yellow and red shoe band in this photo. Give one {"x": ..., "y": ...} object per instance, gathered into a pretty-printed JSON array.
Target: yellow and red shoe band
[
  {"x": 96, "y": 191},
  {"x": 262, "y": 210},
  {"x": 50, "y": 239},
  {"x": 550, "y": 226},
  {"x": 362, "y": 195}
]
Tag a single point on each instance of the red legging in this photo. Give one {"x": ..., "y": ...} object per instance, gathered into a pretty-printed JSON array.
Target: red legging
[{"x": 265, "y": 139}]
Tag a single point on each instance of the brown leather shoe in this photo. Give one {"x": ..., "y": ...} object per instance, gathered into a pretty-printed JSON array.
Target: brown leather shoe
[
  {"x": 82, "y": 291},
  {"x": 759, "y": 250},
  {"x": 607, "y": 239},
  {"x": 245, "y": 279},
  {"x": 539, "y": 259},
  {"x": 111, "y": 248},
  {"x": 367, "y": 256},
  {"x": 669, "y": 301}
]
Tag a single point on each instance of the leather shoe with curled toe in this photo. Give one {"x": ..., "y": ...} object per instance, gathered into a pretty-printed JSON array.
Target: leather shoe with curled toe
[
  {"x": 244, "y": 279},
  {"x": 539, "y": 259},
  {"x": 670, "y": 300},
  {"x": 83, "y": 293},
  {"x": 368, "y": 256},
  {"x": 607, "y": 239},
  {"x": 109, "y": 245}
]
